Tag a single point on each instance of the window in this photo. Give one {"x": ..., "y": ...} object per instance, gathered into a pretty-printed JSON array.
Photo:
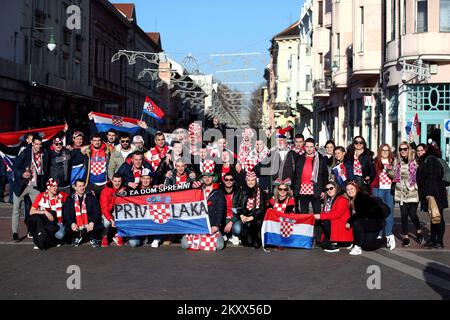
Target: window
[
  {"x": 338, "y": 42},
  {"x": 444, "y": 12},
  {"x": 77, "y": 70},
  {"x": 393, "y": 16},
  {"x": 361, "y": 42},
  {"x": 289, "y": 66},
  {"x": 320, "y": 11},
  {"x": 404, "y": 18},
  {"x": 421, "y": 16},
  {"x": 308, "y": 82}
]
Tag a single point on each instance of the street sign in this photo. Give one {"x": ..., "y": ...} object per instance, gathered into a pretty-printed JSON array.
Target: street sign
[{"x": 447, "y": 127}]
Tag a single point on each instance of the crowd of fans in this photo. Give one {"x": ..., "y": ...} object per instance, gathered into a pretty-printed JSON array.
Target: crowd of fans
[{"x": 69, "y": 189}]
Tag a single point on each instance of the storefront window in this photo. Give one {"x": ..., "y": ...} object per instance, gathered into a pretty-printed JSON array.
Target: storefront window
[{"x": 429, "y": 97}]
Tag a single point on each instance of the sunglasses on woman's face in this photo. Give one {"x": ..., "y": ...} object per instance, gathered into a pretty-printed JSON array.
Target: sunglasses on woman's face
[
  {"x": 282, "y": 189},
  {"x": 358, "y": 142},
  {"x": 329, "y": 189},
  {"x": 403, "y": 149}
]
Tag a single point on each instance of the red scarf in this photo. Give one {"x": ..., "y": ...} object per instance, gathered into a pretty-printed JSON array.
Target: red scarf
[
  {"x": 80, "y": 211},
  {"x": 181, "y": 179},
  {"x": 253, "y": 203},
  {"x": 137, "y": 175},
  {"x": 52, "y": 204}
]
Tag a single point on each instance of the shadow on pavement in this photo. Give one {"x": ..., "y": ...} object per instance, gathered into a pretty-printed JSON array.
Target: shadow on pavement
[{"x": 437, "y": 277}]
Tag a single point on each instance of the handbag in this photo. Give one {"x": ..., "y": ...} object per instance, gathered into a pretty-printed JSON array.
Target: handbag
[{"x": 433, "y": 211}]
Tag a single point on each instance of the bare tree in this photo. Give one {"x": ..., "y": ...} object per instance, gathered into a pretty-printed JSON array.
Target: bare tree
[{"x": 256, "y": 104}]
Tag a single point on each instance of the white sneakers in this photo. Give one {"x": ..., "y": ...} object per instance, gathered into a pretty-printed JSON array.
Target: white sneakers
[
  {"x": 234, "y": 241},
  {"x": 390, "y": 242},
  {"x": 155, "y": 243},
  {"x": 356, "y": 251}
]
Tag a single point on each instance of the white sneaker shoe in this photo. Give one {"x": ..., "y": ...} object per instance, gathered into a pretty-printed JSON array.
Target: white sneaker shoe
[
  {"x": 35, "y": 248},
  {"x": 225, "y": 238},
  {"x": 234, "y": 240},
  {"x": 155, "y": 243},
  {"x": 349, "y": 247},
  {"x": 391, "y": 242},
  {"x": 356, "y": 251}
]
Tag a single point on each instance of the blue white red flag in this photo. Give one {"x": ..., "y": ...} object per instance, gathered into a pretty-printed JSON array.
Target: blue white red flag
[
  {"x": 153, "y": 110},
  {"x": 104, "y": 122},
  {"x": 162, "y": 210},
  {"x": 413, "y": 128},
  {"x": 340, "y": 172},
  {"x": 288, "y": 230}
]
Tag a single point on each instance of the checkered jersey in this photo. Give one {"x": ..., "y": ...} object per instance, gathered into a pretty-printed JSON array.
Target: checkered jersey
[
  {"x": 307, "y": 189},
  {"x": 357, "y": 168}
]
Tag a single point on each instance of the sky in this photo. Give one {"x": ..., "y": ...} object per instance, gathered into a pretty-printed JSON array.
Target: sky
[{"x": 205, "y": 27}]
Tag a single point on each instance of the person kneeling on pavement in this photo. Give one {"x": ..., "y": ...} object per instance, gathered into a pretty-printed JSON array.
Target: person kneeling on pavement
[
  {"x": 367, "y": 219},
  {"x": 107, "y": 201},
  {"x": 82, "y": 217},
  {"x": 46, "y": 216},
  {"x": 335, "y": 214},
  {"x": 250, "y": 212},
  {"x": 216, "y": 211}
]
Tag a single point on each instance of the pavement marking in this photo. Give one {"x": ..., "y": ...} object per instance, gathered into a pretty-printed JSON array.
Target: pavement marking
[
  {"x": 16, "y": 243},
  {"x": 421, "y": 260},
  {"x": 411, "y": 271}
]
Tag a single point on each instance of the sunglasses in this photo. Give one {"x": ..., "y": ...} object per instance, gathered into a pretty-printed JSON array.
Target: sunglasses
[
  {"x": 124, "y": 141},
  {"x": 385, "y": 150},
  {"x": 282, "y": 189},
  {"x": 228, "y": 179},
  {"x": 403, "y": 149},
  {"x": 329, "y": 189},
  {"x": 358, "y": 142},
  {"x": 58, "y": 143}
]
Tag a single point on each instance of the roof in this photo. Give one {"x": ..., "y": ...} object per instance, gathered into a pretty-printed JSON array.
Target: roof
[
  {"x": 127, "y": 9},
  {"x": 156, "y": 38},
  {"x": 292, "y": 30}
]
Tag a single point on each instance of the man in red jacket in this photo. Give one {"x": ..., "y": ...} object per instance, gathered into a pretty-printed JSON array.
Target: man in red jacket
[{"x": 107, "y": 200}]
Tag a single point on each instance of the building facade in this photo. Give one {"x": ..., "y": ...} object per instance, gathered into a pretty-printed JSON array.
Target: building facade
[
  {"x": 39, "y": 87},
  {"x": 417, "y": 33}
]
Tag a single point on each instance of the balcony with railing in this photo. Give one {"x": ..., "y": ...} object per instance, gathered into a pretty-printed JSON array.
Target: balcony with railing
[{"x": 322, "y": 87}]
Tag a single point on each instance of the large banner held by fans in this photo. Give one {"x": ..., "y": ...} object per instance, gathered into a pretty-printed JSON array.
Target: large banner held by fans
[
  {"x": 166, "y": 210},
  {"x": 288, "y": 230},
  {"x": 12, "y": 139}
]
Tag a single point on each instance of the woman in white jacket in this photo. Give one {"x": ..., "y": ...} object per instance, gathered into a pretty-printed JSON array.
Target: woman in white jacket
[{"x": 406, "y": 191}]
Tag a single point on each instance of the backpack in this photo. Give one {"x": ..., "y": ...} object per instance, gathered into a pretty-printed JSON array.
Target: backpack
[
  {"x": 382, "y": 206},
  {"x": 445, "y": 168},
  {"x": 42, "y": 237},
  {"x": 446, "y": 175}
]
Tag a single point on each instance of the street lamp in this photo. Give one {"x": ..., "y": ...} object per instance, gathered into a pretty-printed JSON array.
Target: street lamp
[{"x": 335, "y": 66}]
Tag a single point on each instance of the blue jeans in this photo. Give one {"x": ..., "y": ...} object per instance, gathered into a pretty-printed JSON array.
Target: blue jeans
[
  {"x": 388, "y": 199},
  {"x": 136, "y": 241}
]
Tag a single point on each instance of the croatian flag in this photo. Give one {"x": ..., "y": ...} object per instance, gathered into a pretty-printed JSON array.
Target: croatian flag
[
  {"x": 162, "y": 210},
  {"x": 153, "y": 110},
  {"x": 340, "y": 173},
  {"x": 13, "y": 139},
  {"x": 413, "y": 128},
  {"x": 104, "y": 122},
  {"x": 288, "y": 230}
]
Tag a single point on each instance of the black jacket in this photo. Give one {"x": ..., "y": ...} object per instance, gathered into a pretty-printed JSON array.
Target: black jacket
[
  {"x": 322, "y": 176},
  {"x": 429, "y": 183},
  {"x": 60, "y": 167},
  {"x": 368, "y": 168},
  {"x": 244, "y": 194},
  {"x": 217, "y": 205},
  {"x": 239, "y": 178},
  {"x": 275, "y": 168},
  {"x": 22, "y": 162},
  {"x": 365, "y": 207},
  {"x": 92, "y": 208},
  {"x": 125, "y": 170}
]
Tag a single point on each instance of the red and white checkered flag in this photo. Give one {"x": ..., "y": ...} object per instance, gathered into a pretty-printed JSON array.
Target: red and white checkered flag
[
  {"x": 117, "y": 121},
  {"x": 207, "y": 167},
  {"x": 160, "y": 213}
]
